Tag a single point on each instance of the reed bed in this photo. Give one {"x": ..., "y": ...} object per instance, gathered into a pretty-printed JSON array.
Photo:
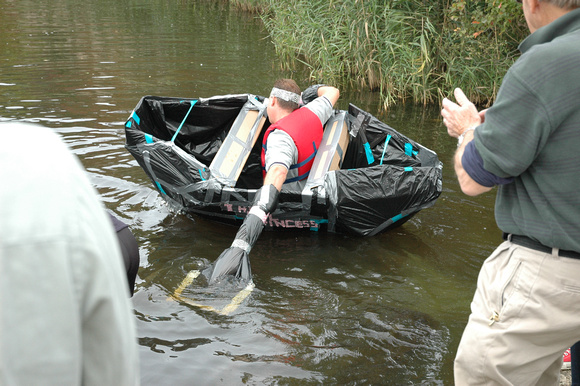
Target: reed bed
[{"x": 408, "y": 50}]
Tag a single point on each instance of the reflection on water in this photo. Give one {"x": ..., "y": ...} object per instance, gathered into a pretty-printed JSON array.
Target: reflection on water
[{"x": 326, "y": 308}]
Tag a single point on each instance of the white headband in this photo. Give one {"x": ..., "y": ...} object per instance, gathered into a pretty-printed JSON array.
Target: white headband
[{"x": 285, "y": 95}]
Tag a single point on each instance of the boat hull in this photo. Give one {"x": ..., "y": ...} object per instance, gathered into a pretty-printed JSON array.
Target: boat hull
[{"x": 367, "y": 177}]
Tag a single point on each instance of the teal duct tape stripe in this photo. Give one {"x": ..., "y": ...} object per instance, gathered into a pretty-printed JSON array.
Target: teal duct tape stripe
[
  {"x": 147, "y": 159},
  {"x": 398, "y": 217},
  {"x": 182, "y": 122},
  {"x": 408, "y": 169},
  {"x": 369, "y": 153},
  {"x": 409, "y": 149},
  {"x": 136, "y": 118},
  {"x": 319, "y": 222},
  {"x": 160, "y": 188},
  {"x": 148, "y": 138},
  {"x": 385, "y": 148}
]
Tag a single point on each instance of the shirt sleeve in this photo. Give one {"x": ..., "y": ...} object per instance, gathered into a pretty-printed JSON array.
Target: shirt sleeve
[
  {"x": 515, "y": 130},
  {"x": 280, "y": 149},
  {"x": 473, "y": 165},
  {"x": 322, "y": 107}
]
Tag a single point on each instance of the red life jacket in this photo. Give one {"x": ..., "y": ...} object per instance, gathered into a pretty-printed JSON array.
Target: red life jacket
[{"x": 305, "y": 129}]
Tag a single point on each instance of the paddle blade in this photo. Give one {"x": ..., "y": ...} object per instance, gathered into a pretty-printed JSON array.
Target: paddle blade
[
  {"x": 232, "y": 262},
  {"x": 235, "y": 260}
]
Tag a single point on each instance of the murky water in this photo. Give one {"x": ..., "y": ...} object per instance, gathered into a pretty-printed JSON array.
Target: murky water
[{"x": 327, "y": 308}]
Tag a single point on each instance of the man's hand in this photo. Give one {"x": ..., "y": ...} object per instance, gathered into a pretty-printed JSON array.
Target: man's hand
[
  {"x": 460, "y": 116},
  {"x": 313, "y": 92}
]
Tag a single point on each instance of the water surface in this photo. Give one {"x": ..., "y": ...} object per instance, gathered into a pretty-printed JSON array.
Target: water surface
[{"x": 327, "y": 308}]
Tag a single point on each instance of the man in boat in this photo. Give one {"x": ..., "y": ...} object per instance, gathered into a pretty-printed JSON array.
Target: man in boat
[
  {"x": 291, "y": 142},
  {"x": 288, "y": 150},
  {"x": 526, "y": 309}
]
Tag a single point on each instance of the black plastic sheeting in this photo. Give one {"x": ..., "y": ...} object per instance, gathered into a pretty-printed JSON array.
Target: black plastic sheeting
[
  {"x": 235, "y": 260},
  {"x": 385, "y": 178},
  {"x": 383, "y": 188}
]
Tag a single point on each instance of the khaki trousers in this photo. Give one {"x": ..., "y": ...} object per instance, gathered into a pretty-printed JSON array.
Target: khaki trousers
[{"x": 524, "y": 315}]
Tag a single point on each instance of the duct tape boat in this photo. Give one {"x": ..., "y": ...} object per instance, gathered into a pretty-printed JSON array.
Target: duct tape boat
[{"x": 203, "y": 156}]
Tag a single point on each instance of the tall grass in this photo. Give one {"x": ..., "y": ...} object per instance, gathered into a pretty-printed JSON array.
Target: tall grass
[
  {"x": 256, "y": 6},
  {"x": 408, "y": 50}
]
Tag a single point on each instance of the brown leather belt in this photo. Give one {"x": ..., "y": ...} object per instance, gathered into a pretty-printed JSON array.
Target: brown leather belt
[{"x": 533, "y": 244}]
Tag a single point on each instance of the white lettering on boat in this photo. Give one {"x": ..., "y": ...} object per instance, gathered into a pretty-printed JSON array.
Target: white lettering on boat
[{"x": 274, "y": 222}]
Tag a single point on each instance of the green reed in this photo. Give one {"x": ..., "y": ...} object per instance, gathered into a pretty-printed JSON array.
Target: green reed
[
  {"x": 256, "y": 6},
  {"x": 408, "y": 50}
]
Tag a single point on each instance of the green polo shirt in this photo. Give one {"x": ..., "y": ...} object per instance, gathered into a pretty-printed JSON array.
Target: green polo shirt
[{"x": 532, "y": 133}]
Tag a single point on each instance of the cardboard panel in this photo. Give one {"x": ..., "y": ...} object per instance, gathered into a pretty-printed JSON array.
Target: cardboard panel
[
  {"x": 234, "y": 152},
  {"x": 332, "y": 149},
  {"x": 319, "y": 171},
  {"x": 340, "y": 148},
  {"x": 247, "y": 125}
]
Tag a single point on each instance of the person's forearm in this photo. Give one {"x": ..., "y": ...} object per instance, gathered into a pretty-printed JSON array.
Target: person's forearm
[
  {"x": 467, "y": 184},
  {"x": 332, "y": 93},
  {"x": 276, "y": 176}
]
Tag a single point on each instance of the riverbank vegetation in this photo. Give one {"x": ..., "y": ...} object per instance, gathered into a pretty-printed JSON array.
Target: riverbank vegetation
[{"x": 407, "y": 50}]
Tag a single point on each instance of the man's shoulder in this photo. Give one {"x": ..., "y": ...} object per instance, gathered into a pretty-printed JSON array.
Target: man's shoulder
[
  {"x": 279, "y": 139},
  {"x": 321, "y": 102},
  {"x": 321, "y": 107},
  {"x": 551, "y": 62}
]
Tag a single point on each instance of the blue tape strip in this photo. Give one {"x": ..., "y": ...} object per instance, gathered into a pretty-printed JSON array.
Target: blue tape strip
[
  {"x": 409, "y": 149},
  {"x": 319, "y": 222},
  {"x": 385, "y": 148},
  {"x": 135, "y": 117},
  {"x": 201, "y": 175},
  {"x": 369, "y": 153},
  {"x": 397, "y": 217},
  {"x": 148, "y": 138},
  {"x": 160, "y": 188},
  {"x": 408, "y": 169},
  {"x": 182, "y": 122}
]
